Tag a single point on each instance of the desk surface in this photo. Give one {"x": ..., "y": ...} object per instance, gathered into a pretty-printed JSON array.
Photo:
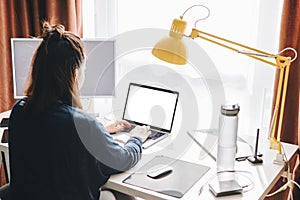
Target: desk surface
[
  {"x": 182, "y": 147},
  {"x": 264, "y": 176}
]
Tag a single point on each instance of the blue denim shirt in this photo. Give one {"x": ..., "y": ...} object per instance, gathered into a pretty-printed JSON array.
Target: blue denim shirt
[{"x": 63, "y": 153}]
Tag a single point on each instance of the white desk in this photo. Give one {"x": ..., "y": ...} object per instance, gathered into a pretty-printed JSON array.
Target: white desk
[{"x": 263, "y": 176}]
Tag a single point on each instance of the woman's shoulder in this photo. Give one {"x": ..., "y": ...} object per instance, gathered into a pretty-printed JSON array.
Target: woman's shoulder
[
  {"x": 76, "y": 113},
  {"x": 19, "y": 105}
]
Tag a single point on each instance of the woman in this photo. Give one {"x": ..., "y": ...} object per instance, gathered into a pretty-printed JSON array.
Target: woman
[{"x": 56, "y": 150}]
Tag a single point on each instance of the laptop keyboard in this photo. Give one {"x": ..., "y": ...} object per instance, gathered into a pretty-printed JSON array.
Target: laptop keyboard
[
  {"x": 154, "y": 133},
  {"x": 127, "y": 130}
]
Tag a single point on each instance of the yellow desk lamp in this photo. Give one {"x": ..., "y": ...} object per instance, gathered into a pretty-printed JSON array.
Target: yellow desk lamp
[{"x": 172, "y": 50}]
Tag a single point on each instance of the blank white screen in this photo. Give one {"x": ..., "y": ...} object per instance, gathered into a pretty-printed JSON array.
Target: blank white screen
[
  {"x": 99, "y": 73},
  {"x": 149, "y": 106}
]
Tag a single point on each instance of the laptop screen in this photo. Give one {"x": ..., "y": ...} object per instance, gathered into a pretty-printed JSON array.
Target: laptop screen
[{"x": 148, "y": 105}]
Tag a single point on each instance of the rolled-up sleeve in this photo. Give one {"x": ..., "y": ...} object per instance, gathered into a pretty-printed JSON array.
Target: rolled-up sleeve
[{"x": 102, "y": 146}]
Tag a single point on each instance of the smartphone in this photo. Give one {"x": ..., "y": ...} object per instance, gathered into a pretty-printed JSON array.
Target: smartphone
[{"x": 223, "y": 188}]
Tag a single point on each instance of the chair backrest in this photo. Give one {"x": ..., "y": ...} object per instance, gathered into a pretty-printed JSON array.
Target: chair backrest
[
  {"x": 4, "y": 156},
  {"x": 4, "y": 192}
]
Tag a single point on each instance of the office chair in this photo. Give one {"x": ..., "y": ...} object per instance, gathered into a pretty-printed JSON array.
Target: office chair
[
  {"x": 106, "y": 194},
  {"x": 4, "y": 192}
]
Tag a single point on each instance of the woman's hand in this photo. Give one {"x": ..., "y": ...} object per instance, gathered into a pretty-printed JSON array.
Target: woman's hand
[
  {"x": 141, "y": 131},
  {"x": 117, "y": 126}
]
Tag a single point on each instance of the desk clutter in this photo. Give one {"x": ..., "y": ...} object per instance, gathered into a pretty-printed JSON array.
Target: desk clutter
[{"x": 167, "y": 175}]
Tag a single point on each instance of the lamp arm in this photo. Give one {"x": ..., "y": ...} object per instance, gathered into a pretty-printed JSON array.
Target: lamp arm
[
  {"x": 279, "y": 107},
  {"x": 256, "y": 55},
  {"x": 282, "y": 63}
]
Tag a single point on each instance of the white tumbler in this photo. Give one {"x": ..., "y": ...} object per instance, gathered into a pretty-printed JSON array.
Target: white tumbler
[{"x": 227, "y": 142}]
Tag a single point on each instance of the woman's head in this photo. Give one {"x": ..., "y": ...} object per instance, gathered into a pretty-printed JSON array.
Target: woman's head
[{"x": 55, "y": 69}]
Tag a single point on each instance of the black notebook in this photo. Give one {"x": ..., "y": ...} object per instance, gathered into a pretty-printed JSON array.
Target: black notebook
[{"x": 177, "y": 178}]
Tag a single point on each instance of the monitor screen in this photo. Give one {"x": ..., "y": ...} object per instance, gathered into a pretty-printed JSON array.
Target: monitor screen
[{"x": 99, "y": 73}]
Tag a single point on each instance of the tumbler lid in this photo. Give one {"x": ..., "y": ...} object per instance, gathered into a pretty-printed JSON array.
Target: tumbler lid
[{"x": 230, "y": 110}]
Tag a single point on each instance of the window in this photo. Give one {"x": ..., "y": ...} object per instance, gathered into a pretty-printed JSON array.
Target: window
[{"x": 252, "y": 22}]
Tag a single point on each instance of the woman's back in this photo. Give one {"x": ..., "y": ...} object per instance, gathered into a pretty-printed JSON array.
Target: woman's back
[{"x": 48, "y": 159}]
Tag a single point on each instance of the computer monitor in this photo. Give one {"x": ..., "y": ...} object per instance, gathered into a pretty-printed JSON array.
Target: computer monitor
[{"x": 99, "y": 73}]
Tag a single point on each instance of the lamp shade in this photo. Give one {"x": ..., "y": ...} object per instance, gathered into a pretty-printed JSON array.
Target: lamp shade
[{"x": 172, "y": 49}]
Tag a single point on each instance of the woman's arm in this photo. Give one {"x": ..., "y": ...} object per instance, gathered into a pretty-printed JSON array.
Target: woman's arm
[{"x": 102, "y": 146}]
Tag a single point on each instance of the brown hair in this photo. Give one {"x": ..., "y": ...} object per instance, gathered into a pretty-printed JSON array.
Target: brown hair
[{"x": 52, "y": 77}]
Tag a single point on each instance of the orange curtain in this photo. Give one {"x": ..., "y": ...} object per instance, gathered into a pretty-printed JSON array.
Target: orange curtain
[
  {"x": 19, "y": 18},
  {"x": 290, "y": 37}
]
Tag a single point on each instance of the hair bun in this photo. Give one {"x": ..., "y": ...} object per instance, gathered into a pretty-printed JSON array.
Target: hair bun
[{"x": 48, "y": 29}]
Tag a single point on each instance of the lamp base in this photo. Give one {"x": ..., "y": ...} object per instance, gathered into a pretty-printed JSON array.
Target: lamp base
[
  {"x": 255, "y": 160},
  {"x": 279, "y": 159}
]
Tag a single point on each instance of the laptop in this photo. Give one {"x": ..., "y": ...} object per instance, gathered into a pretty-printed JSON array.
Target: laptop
[{"x": 150, "y": 106}]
